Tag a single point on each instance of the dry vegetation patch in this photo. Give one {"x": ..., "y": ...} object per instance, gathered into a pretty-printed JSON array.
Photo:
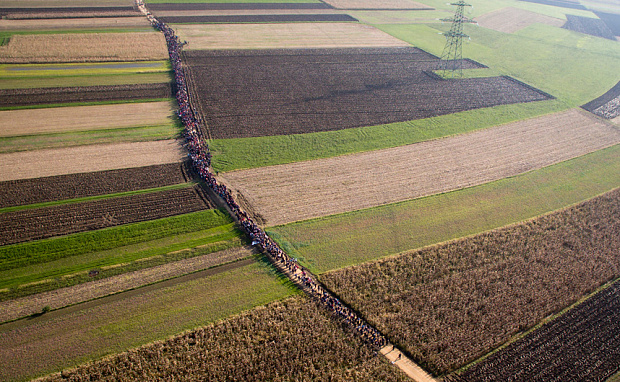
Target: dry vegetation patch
[
  {"x": 284, "y": 35},
  {"x": 13, "y": 309},
  {"x": 451, "y": 303},
  {"x": 64, "y": 219},
  {"x": 75, "y": 23},
  {"x": 87, "y": 47},
  {"x": 72, "y": 160},
  {"x": 291, "y": 340},
  {"x": 376, "y": 4},
  {"x": 510, "y": 20},
  {"x": 304, "y": 190},
  {"x": 82, "y": 118}
]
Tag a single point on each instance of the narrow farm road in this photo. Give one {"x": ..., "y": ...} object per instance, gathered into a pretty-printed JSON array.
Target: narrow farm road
[{"x": 409, "y": 367}]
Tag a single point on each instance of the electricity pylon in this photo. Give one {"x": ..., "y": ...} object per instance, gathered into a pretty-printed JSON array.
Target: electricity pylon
[{"x": 451, "y": 62}]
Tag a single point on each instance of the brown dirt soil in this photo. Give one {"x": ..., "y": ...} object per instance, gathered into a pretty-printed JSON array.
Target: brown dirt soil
[
  {"x": 83, "y": 118},
  {"x": 73, "y": 160},
  {"x": 13, "y": 309},
  {"x": 376, "y": 4},
  {"x": 79, "y": 23},
  {"x": 510, "y": 20},
  {"x": 304, "y": 190},
  {"x": 87, "y": 47},
  {"x": 41, "y": 223},
  {"x": 285, "y": 35},
  {"x": 39, "y": 190}
]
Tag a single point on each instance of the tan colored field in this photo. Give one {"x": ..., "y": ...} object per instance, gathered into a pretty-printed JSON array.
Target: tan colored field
[
  {"x": 77, "y": 23},
  {"x": 65, "y": 3},
  {"x": 284, "y": 35},
  {"x": 83, "y": 118},
  {"x": 510, "y": 20},
  {"x": 245, "y": 12},
  {"x": 304, "y": 190},
  {"x": 86, "y": 47},
  {"x": 13, "y": 309},
  {"x": 376, "y": 4},
  {"x": 73, "y": 160}
]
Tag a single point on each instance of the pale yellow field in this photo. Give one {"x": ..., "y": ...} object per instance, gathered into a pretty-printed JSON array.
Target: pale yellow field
[
  {"x": 72, "y": 160},
  {"x": 76, "y": 23},
  {"x": 86, "y": 47},
  {"x": 82, "y": 118},
  {"x": 304, "y": 190},
  {"x": 376, "y": 4},
  {"x": 510, "y": 20},
  {"x": 284, "y": 35}
]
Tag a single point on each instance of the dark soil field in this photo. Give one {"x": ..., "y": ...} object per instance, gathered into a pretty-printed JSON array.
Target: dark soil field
[
  {"x": 258, "y": 18},
  {"x": 61, "y": 187},
  {"x": 40, "y": 223},
  {"x": 41, "y": 96},
  {"x": 612, "y": 20},
  {"x": 559, "y": 3},
  {"x": 233, "y": 6},
  {"x": 452, "y": 303},
  {"x": 588, "y": 25},
  {"x": 607, "y": 105},
  {"x": 275, "y": 92},
  {"x": 581, "y": 345}
]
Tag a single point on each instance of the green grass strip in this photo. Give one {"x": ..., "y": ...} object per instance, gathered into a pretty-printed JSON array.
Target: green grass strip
[
  {"x": 226, "y": 1},
  {"x": 356, "y": 237},
  {"x": 70, "y": 104},
  {"x": 234, "y": 154},
  {"x": 97, "y": 197},
  {"x": 91, "y": 69},
  {"x": 23, "y": 254},
  {"x": 83, "y": 80}
]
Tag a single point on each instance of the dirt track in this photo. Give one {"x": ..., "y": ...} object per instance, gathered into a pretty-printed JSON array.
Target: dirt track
[
  {"x": 73, "y": 160},
  {"x": 299, "y": 191},
  {"x": 82, "y": 118}
]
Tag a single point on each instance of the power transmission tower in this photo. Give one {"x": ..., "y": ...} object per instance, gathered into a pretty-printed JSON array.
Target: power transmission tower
[{"x": 451, "y": 62}]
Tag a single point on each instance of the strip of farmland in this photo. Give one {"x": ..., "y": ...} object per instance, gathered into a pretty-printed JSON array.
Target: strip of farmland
[
  {"x": 287, "y": 18},
  {"x": 82, "y": 23},
  {"x": 87, "y": 47},
  {"x": 61, "y": 187},
  {"x": 450, "y": 304},
  {"x": 159, "y": 7},
  {"x": 582, "y": 344},
  {"x": 510, "y": 20},
  {"x": 42, "y": 96},
  {"x": 40, "y": 223},
  {"x": 260, "y": 93},
  {"x": 73, "y": 160},
  {"x": 13, "y": 309},
  {"x": 304, "y": 190},
  {"x": 607, "y": 105},
  {"x": 82, "y": 118},
  {"x": 378, "y": 4},
  {"x": 289, "y": 340},
  {"x": 284, "y": 35}
]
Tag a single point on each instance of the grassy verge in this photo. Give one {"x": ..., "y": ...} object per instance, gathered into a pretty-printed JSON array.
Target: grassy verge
[
  {"x": 234, "y": 154},
  {"x": 22, "y": 71},
  {"x": 41, "y": 251},
  {"x": 80, "y": 138},
  {"x": 132, "y": 319},
  {"x": 96, "y": 80},
  {"x": 353, "y": 238},
  {"x": 70, "y": 104},
  {"x": 74, "y": 270}
]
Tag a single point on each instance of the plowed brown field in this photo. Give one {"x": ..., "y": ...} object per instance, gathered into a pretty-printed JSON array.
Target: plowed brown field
[
  {"x": 304, "y": 190},
  {"x": 82, "y": 118},
  {"x": 510, "y": 20},
  {"x": 73, "y": 160},
  {"x": 87, "y": 47}
]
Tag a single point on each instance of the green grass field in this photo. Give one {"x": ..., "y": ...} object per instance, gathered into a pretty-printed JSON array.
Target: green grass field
[
  {"x": 352, "y": 238},
  {"x": 128, "y": 320},
  {"x": 80, "y": 138},
  {"x": 23, "y": 71},
  {"x": 69, "y": 81}
]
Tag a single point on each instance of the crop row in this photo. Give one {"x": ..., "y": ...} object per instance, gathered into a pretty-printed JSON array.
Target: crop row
[
  {"x": 273, "y": 94},
  {"x": 291, "y": 340},
  {"x": 72, "y": 186},
  {"x": 39, "y": 96},
  {"x": 452, "y": 303},
  {"x": 40, "y": 223},
  {"x": 259, "y": 18}
]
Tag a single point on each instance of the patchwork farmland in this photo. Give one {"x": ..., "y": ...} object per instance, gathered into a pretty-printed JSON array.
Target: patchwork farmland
[{"x": 400, "y": 201}]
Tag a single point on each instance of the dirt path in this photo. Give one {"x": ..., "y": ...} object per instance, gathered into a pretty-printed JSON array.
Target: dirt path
[
  {"x": 298, "y": 191},
  {"x": 409, "y": 367}
]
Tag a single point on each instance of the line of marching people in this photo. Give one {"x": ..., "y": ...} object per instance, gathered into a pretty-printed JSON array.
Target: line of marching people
[{"x": 198, "y": 151}]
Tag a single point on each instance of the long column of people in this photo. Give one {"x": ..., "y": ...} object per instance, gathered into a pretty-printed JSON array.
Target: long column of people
[{"x": 201, "y": 159}]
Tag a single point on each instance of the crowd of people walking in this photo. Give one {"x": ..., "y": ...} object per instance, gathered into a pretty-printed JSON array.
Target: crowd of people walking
[{"x": 198, "y": 151}]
